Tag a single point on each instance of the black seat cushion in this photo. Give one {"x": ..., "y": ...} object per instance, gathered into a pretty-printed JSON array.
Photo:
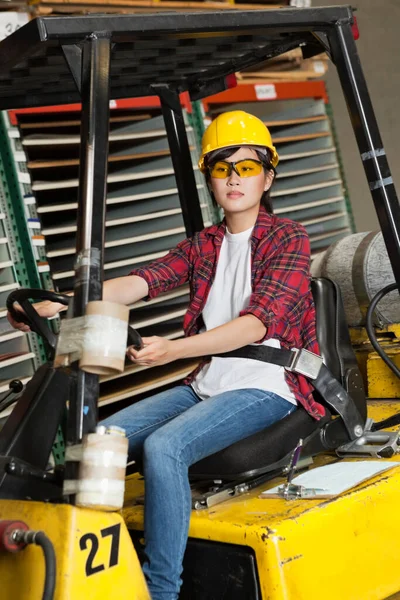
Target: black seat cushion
[{"x": 257, "y": 451}]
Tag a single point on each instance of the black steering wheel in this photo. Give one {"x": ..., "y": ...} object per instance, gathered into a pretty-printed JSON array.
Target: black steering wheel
[{"x": 39, "y": 324}]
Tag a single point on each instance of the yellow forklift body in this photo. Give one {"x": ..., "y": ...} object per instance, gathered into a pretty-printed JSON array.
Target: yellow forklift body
[
  {"x": 382, "y": 382},
  {"x": 330, "y": 548},
  {"x": 379, "y": 380},
  {"x": 94, "y": 553},
  {"x": 304, "y": 549}
]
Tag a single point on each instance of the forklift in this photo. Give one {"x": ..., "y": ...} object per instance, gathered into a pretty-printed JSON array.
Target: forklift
[{"x": 241, "y": 546}]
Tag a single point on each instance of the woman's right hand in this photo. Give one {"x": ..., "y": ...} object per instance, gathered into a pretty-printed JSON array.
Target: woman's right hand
[{"x": 45, "y": 309}]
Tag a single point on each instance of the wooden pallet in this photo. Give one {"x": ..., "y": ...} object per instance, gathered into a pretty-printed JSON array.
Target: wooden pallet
[
  {"x": 43, "y": 7},
  {"x": 289, "y": 66}
]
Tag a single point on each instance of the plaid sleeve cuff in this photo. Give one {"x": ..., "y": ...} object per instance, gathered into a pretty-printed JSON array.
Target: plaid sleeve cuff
[
  {"x": 152, "y": 282},
  {"x": 265, "y": 317}
]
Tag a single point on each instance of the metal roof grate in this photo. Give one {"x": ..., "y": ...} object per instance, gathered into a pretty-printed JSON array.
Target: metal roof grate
[{"x": 191, "y": 52}]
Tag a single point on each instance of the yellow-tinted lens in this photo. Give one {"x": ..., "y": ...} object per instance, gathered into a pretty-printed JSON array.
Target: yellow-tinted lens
[
  {"x": 245, "y": 168},
  {"x": 221, "y": 170},
  {"x": 248, "y": 168}
]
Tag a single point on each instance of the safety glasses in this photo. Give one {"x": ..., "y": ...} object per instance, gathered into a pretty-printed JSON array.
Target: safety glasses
[{"x": 247, "y": 167}]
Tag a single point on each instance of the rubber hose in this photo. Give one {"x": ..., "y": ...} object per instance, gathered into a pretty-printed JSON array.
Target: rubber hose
[
  {"x": 393, "y": 420},
  {"x": 370, "y": 327},
  {"x": 50, "y": 564}
]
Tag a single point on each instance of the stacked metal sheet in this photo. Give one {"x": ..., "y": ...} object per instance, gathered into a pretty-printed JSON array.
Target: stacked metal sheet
[
  {"x": 17, "y": 355},
  {"x": 309, "y": 187},
  {"x": 143, "y": 220},
  {"x": 20, "y": 353}
]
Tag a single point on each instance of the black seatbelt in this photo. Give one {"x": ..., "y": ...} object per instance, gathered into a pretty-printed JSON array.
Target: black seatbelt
[{"x": 312, "y": 367}]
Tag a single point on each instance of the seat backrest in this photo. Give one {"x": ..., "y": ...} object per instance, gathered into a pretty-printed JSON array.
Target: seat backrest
[{"x": 334, "y": 340}]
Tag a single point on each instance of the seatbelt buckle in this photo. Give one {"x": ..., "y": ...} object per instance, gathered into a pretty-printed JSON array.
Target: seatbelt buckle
[{"x": 305, "y": 363}]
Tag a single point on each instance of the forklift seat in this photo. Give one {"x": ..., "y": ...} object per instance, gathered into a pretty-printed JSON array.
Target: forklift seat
[{"x": 271, "y": 448}]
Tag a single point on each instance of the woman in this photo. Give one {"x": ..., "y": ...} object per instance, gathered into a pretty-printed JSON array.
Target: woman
[{"x": 249, "y": 284}]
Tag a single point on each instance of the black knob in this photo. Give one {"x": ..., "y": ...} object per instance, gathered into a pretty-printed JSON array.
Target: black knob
[
  {"x": 11, "y": 467},
  {"x": 16, "y": 386}
]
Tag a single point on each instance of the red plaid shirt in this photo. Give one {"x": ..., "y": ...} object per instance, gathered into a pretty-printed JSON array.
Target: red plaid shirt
[{"x": 281, "y": 294}]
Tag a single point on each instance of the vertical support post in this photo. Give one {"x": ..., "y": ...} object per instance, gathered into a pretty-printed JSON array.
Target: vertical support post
[
  {"x": 95, "y": 93},
  {"x": 181, "y": 158},
  {"x": 373, "y": 156}
]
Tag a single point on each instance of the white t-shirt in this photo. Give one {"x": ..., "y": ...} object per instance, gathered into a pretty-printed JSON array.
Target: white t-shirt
[{"x": 229, "y": 295}]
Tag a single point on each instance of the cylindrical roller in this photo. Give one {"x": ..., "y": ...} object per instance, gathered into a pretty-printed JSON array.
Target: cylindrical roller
[{"x": 360, "y": 265}]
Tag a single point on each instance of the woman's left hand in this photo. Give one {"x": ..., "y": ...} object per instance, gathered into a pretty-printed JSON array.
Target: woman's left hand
[{"x": 157, "y": 351}]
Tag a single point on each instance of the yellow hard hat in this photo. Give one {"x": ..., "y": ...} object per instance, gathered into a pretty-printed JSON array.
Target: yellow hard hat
[{"x": 236, "y": 128}]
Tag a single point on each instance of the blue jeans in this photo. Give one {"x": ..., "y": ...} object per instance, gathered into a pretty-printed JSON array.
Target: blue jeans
[{"x": 173, "y": 430}]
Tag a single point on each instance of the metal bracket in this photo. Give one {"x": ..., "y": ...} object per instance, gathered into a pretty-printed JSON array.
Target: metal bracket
[
  {"x": 323, "y": 40},
  {"x": 73, "y": 56},
  {"x": 212, "y": 498},
  {"x": 168, "y": 97},
  {"x": 291, "y": 491},
  {"x": 376, "y": 444},
  {"x": 220, "y": 492}
]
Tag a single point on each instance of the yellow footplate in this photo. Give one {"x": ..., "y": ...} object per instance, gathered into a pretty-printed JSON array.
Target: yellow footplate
[{"x": 94, "y": 554}]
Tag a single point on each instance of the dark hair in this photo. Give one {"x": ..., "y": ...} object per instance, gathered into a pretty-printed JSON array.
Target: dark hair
[{"x": 225, "y": 153}]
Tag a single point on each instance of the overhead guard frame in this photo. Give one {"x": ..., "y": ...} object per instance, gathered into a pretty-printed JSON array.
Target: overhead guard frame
[{"x": 92, "y": 59}]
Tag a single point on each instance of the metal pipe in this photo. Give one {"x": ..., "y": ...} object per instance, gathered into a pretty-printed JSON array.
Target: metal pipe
[
  {"x": 93, "y": 172},
  {"x": 181, "y": 158},
  {"x": 373, "y": 156},
  {"x": 95, "y": 94}
]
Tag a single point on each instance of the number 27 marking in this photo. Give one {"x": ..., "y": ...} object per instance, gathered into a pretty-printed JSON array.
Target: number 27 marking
[{"x": 92, "y": 539}]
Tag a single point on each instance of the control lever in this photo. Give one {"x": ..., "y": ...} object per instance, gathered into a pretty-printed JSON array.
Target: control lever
[
  {"x": 134, "y": 338},
  {"x": 31, "y": 317},
  {"x": 15, "y": 387}
]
